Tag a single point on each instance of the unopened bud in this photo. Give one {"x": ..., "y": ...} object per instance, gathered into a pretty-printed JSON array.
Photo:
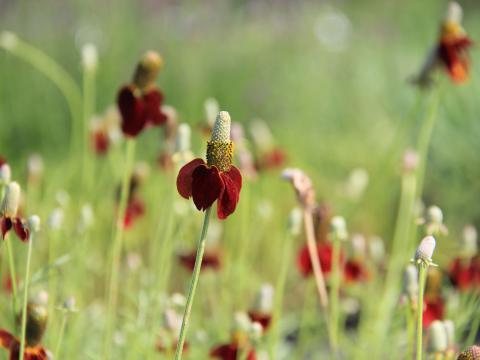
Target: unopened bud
[
  {"x": 34, "y": 223},
  {"x": 11, "y": 200},
  {"x": 454, "y": 13},
  {"x": 410, "y": 281},
  {"x": 469, "y": 241},
  {"x": 425, "y": 249},
  {"x": 37, "y": 316},
  {"x": 35, "y": 167},
  {"x": 435, "y": 215},
  {"x": 8, "y": 40},
  {"x": 5, "y": 174},
  {"x": 437, "y": 337},
  {"x": 211, "y": 110},
  {"x": 339, "y": 227},
  {"x": 295, "y": 221},
  {"x": 263, "y": 303},
  {"x": 147, "y": 70},
  {"x": 183, "y": 141},
  {"x": 89, "y": 57}
]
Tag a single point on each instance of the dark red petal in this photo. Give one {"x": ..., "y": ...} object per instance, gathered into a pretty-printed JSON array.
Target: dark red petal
[
  {"x": 2, "y": 161},
  {"x": 5, "y": 225},
  {"x": 131, "y": 109},
  {"x": 101, "y": 142},
  {"x": 228, "y": 199},
  {"x": 433, "y": 309},
  {"x": 207, "y": 185},
  {"x": 184, "y": 178},
  {"x": 262, "y": 319},
  {"x": 6, "y": 339},
  {"x": 153, "y": 102},
  {"x": 20, "y": 229}
]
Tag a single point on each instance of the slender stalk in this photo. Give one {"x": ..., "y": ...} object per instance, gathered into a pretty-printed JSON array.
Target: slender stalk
[
  {"x": 60, "y": 336},
  {"x": 25, "y": 297},
  {"x": 13, "y": 277},
  {"x": 117, "y": 247},
  {"x": 422, "y": 276},
  {"x": 193, "y": 285},
  {"x": 334, "y": 306},
  {"x": 88, "y": 110},
  {"x": 312, "y": 251},
  {"x": 410, "y": 330}
]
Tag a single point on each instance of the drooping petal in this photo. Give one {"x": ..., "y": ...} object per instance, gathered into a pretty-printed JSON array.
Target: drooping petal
[
  {"x": 5, "y": 225},
  {"x": 228, "y": 199},
  {"x": 454, "y": 56},
  {"x": 152, "y": 108},
  {"x": 20, "y": 229},
  {"x": 6, "y": 339},
  {"x": 184, "y": 178},
  {"x": 131, "y": 108},
  {"x": 207, "y": 185}
]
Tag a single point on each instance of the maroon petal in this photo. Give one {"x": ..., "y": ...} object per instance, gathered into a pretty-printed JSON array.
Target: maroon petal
[
  {"x": 153, "y": 113},
  {"x": 228, "y": 199},
  {"x": 207, "y": 185},
  {"x": 5, "y": 225},
  {"x": 7, "y": 340},
  {"x": 184, "y": 178},
  {"x": 20, "y": 229},
  {"x": 132, "y": 109}
]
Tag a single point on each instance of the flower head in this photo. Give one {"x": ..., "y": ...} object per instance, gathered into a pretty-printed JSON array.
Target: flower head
[
  {"x": 470, "y": 353},
  {"x": 8, "y": 213},
  {"x": 217, "y": 179},
  {"x": 425, "y": 250},
  {"x": 140, "y": 102}
]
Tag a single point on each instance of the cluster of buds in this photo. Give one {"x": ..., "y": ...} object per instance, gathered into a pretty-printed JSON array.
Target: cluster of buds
[
  {"x": 302, "y": 185},
  {"x": 441, "y": 339}
]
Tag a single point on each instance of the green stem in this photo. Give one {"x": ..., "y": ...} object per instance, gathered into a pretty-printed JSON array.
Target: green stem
[
  {"x": 25, "y": 297},
  {"x": 88, "y": 110},
  {"x": 117, "y": 247},
  {"x": 52, "y": 70},
  {"x": 334, "y": 292},
  {"x": 60, "y": 336},
  {"x": 193, "y": 285},
  {"x": 410, "y": 329},
  {"x": 422, "y": 276},
  {"x": 13, "y": 278}
]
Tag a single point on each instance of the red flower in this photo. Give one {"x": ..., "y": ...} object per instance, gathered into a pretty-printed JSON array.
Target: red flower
[
  {"x": 263, "y": 319},
  {"x": 18, "y": 225},
  {"x": 139, "y": 109},
  {"x": 452, "y": 52},
  {"x": 100, "y": 141},
  {"x": 273, "y": 159},
  {"x": 10, "y": 342},
  {"x": 433, "y": 309},
  {"x": 355, "y": 271},
  {"x": 465, "y": 273},
  {"x": 135, "y": 209},
  {"x": 324, "y": 251},
  {"x": 230, "y": 352},
  {"x": 211, "y": 260}
]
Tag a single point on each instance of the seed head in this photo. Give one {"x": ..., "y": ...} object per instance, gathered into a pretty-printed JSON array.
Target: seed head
[
  {"x": 454, "y": 13},
  {"x": 221, "y": 128},
  {"x": 302, "y": 185},
  {"x": 220, "y": 148},
  {"x": 34, "y": 223},
  {"x": 147, "y": 70},
  {"x": 89, "y": 57},
  {"x": 8, "y": 40},
  {"x": 437, "y": 337},
  {"x": 11, "y": 200},
  {"x": 425, "y": 250},
  {"x": 263, "y": 303},
  {"x": 469, "y": 241},
  {"x": 37, "y": 316},
  {"x": 470, "y": 353},
  {"x": 183, "y": 141},
  {"x": 339, "y": 227}
]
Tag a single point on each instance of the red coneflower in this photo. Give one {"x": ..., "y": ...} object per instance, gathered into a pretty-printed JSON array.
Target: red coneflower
[
  {"x": 465, "y": 273},
  {"x": 8, "y": 211},
  {"x": 324, "y": 252},
  {"x": 36, "y": 323},
  {"x": 262, "y": 308},
  {"x": 217, "y": 179},
  {"x": 434, "y": 303},
  {"x": 140, "y": 102},
  {"x": 212, "y": 259},
  {"x": 231, "y": 351},
  {"x": 355, "y": 271}
]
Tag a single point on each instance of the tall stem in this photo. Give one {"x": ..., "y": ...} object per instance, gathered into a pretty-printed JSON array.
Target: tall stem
[
  {"x": 13, "y": 278},
  {"x": 88, "y": 110},
  {"x": 193, "y": 285},
  {"x": 25, "y": 297},
  {"x": 60, "y": 336},
  {"x": 422, "y": 275},
  {"x": 313, "y": 253},
  {"x": 334, "y": 310},
  {"x": 117, "y": 247}
]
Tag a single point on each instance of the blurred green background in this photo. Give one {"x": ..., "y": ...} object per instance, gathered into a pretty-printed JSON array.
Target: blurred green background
[{"x": 330, "y": 78}]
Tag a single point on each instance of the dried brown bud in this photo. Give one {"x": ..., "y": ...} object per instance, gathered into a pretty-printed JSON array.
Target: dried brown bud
[{"x": 147, "y": 70}]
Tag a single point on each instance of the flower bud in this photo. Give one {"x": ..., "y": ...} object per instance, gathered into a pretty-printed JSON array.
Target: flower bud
[
  {"x": 33, "y": 223},
  {"x": 434, "y": 215},
  {"x": 410, "y": 281},
  {"x": 454, "y": 13},
  {"x": 11, "y": 200},
  {"x": 437, "y": 337},
  {"x": 470, "y": 353},
  {"x": 5, "y": 173},
  {"x": 295, "y": 221},
  {"x": 8, "y": 40},
  {"x": 425, "y": 249},
  {"x": 55, "y": 220},
  {"x": 37, "y": 316},
  {"x": 220, "y": 148},
  {"x": 263, "y": 303},
  {"x": 469, "y": 241},
  {"x": 89, "y": 57},
  {"x": 211, "y": 110},
  {"x": 376, "y": 249},
  {"x": 34, "y": 168},
  {"x": 339, "y": 227},
  {"x": 356, "y": 184},
  {"x": 450, "y": 332},
  {"x": 183, "y": 140},
  {"x": 147, "y": 70}
]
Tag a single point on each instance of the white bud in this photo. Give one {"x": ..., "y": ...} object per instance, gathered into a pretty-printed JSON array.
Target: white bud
[
  {"x": 171, "y": 321},
  {"x": 437, "y": 337},
  {"x": 5, "y": 174},
  {"x": 454, "y": 13},
  {"x": 35, "y": 167},
  {"x": 357, "y": 183},
  {"x": 425, "y": 249},
  {"x": 261, "y": 135},
  {"x": 183, "y": 140},
  {"x": 34, "y": 223},
  {"x": 450, "y": 332},
  {"x": 241, "y": 322},
  {"x": 11, "y": 200},
  {"x": 263, "y": 303},
  {"x": 295, "y": 221},
  {"x": 410, "y": 281},
  {"x": 469, "y": 241},
  {"x": 86, "y": 216},
  {"x": 8, "y": 40},
  {"x": 221, "y": 128},
  {"x": 55, "y": 220},
  {"x": 435, "y": 215},
  {"x": 256, "y": 331},
  {"x": 376, "y": 249},
  {"x": 89, "y": 57},
  {"x": 211, "y": 110},
  {"x": 339, "y": 227}
]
